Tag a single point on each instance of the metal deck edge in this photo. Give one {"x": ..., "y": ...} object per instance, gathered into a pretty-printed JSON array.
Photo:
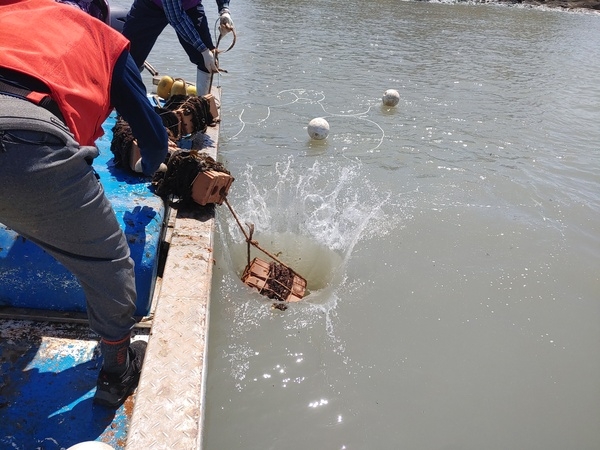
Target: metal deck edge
[{"x": 169, "y": 403}]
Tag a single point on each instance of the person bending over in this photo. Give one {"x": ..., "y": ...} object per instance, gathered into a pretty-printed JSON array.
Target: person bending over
[{"x": 58, "y": 83}]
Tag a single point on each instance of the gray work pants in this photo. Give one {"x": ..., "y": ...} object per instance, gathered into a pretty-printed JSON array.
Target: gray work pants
[{"x": 50, "y": 195}]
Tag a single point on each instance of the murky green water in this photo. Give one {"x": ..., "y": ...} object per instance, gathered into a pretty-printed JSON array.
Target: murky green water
[{"x": 454, "y": 241}]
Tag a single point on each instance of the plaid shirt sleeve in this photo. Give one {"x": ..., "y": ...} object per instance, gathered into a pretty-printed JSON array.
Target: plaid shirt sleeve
[{"x": 182, "y": 24}]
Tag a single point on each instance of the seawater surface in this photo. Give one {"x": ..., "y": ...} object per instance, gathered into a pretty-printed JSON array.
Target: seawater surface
[{"x": 451, "y": 244}]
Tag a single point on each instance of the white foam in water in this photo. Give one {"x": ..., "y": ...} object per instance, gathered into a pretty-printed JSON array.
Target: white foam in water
[{"x": 310, "y": 218}]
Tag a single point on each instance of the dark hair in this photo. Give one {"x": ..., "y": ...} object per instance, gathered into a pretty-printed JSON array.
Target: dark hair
[{"x": 95, "y": 8}]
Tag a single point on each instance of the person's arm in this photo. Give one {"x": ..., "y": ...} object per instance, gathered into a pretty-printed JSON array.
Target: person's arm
[
  {"x": 225, "y": 22},
  {"x": 222, "y": 4},
  {"x": 128, "y": 96},
  {"x": 182, "y": 23},
  {"x": 184, "y": 27}
]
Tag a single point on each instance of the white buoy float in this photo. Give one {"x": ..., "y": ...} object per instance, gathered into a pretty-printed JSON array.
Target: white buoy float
[
  {"x": 318, "y": 128},
  {"x": 391, "y": 97}
]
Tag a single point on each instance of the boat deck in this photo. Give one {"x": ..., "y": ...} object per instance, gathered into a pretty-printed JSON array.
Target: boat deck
[{"x": 49, "y": 360}]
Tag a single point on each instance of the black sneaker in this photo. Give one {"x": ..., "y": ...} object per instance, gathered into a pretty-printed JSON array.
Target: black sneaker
[{"x": 113, "y": 389}]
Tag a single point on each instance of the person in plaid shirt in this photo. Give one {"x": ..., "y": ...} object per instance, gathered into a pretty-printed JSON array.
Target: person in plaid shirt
[{"x": 148, "y": 18}]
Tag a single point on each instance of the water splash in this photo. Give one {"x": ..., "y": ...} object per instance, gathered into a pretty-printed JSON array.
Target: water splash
[{"x": 311, "y": 218}]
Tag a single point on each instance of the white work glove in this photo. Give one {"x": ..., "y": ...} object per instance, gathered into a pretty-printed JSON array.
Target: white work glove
[
  {"x": 209, "y": 61},
  {"x": 138, "y": 167},
  {"x": 226, "y": 24}
]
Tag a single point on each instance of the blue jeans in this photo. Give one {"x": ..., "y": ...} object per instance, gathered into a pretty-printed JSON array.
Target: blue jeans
[
  {"x": 50, "y": 195},
  {"x": 146, "y": 21}
]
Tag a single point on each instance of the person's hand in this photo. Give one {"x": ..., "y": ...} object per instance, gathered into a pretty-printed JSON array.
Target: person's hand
[
  {"x": 226, "y": 24},
  {"x": 209, "y": 61}
]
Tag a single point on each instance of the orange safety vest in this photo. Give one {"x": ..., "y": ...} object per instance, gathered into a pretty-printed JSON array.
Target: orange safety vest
[{"x": 72, "y": 53}]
